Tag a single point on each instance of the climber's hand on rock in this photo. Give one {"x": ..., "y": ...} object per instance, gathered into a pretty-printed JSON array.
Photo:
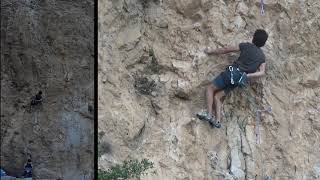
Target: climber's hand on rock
[{"x": 208, "y": 51}]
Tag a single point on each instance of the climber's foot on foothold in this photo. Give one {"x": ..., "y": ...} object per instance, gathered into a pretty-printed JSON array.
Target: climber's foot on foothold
[
  {"x": 204, "y": 116},
  {"x": 215, "y": 123}
]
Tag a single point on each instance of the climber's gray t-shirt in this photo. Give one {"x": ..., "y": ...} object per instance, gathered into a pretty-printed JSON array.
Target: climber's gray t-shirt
[{"x": 251, "y": 57}]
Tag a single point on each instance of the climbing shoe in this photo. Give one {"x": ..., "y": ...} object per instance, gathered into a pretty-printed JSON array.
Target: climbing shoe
[
  {"x": 215, "y": 123},
  {"x": 203, "y": 115}
]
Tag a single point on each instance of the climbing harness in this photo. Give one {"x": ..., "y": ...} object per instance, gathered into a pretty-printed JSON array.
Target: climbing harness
[
  {"x": 261, "y": 7},
  {"x": 242, "y": 78}
]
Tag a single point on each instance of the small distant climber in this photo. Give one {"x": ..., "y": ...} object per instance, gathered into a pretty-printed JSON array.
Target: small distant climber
[
  {"x": 36, "y": 100},
  {"x": 90, "y": 108},
  {"x": 250, "y": 64},
  {"x": 28, "y": 169}
]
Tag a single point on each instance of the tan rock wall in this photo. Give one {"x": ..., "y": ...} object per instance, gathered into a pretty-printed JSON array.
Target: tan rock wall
[{"x": 161, "y": 125}]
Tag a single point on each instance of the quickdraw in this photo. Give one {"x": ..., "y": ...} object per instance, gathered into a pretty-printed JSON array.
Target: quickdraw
[
  {"x": 231, "y": 71},
  {"x": 261, "y": 7}
]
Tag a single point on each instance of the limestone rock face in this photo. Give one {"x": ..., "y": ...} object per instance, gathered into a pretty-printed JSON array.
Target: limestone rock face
[
  {"x": 160, "y": 124},
  {"x": 47, "y": 46}
]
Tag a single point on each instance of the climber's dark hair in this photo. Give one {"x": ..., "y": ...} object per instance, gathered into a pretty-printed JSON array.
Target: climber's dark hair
[
  {"x": 260, "y": 37},
  {"x": 40, "y": 92},
  {"x": 29, "y": 160}
]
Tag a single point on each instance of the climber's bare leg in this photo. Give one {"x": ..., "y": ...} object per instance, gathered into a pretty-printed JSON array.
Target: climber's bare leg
[
  {"x": 211, "y": 89},
  {"x": 214, "y": 106},
  {"x": 218, "y": 104}
]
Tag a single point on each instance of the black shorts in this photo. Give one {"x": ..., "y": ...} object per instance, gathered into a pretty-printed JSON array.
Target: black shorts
[
  {"x": 33, "y": 102},
  {"x": 220, "y": 83}
]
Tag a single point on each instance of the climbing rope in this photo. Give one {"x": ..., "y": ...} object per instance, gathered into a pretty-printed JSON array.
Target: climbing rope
[
  {"x": 252, "y": 102},
  {"x": 257, "y": 127},
  {"x": 258, "y": 111}
]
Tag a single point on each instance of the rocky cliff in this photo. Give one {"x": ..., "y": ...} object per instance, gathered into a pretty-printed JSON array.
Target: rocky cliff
[
  {"x": 153, "y": 73},
  {"x": 48, "y": 46}
]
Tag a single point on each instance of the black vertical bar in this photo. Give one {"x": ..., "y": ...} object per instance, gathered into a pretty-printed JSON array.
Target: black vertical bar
[{"x": 95, "y": 89}]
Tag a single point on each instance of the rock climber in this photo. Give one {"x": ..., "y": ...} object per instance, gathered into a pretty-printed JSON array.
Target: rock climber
[
  {"x": 36, "y": 100},
  {"x": 28, "y": 169},
  {"x": 250, "y": 64}
]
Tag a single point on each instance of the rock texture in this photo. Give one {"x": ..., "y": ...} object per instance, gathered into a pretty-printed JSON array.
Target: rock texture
[
  {"x": 152, "y": 76},
  {"x": 48, "y": 46}
]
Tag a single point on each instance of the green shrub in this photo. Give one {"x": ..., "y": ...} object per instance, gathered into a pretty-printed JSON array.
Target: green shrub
[{"x": 129, "y": 169}]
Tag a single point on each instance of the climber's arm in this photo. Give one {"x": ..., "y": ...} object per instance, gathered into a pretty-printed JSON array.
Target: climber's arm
[
  {"x": 224, "y": 50},
  {"x": 261, "y": 72}
]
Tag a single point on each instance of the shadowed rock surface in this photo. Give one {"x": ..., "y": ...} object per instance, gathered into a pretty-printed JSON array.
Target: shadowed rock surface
[{"x": 47, "y": 45}]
